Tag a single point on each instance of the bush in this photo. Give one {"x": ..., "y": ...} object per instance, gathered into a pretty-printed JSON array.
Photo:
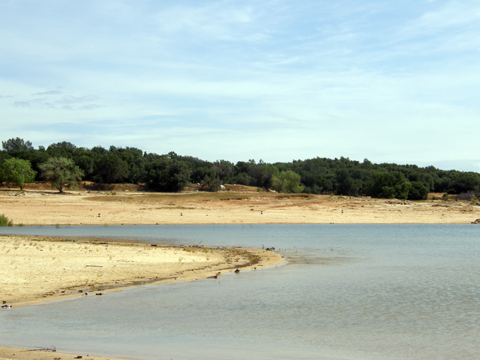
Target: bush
[
  {"x": 418, "y": 191},
  {"x": 469, "y": 196},
  {"x": 4, "y": 221},
  {"x": 388, "y": 185}
]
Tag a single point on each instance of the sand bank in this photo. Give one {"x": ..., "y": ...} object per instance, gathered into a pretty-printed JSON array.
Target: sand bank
[
  {"x": 131, "y": 208},
  {"x": 38, "y": 269},
  {"x": 43, "y": 354}
]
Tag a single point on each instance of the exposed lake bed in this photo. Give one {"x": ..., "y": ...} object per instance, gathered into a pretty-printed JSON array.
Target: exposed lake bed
[{"x": 46, "y": 207}]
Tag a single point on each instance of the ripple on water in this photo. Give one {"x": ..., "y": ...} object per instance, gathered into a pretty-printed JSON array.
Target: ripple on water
[{"x": 348, "y": 292}]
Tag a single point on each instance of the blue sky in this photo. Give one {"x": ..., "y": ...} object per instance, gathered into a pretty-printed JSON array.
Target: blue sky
[{"x": 391, "y": 81}]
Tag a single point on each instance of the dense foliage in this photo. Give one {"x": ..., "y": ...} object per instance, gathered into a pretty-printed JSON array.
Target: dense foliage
[
  {"x": 61, "y": 172},
  {"x": 4, "y": 221},
  {"x": 17, "y": 171},
  {"x": 172, "y": 172}
]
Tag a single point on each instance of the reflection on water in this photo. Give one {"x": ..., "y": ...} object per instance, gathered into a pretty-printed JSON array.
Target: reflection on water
[{"x": 348, "y": 292}]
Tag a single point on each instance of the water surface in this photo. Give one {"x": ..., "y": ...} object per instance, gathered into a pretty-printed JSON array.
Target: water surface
[{"x": 348, "y": 292}]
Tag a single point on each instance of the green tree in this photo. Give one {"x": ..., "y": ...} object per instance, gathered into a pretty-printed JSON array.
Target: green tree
[
  {"x": 201, "y": 173},
  {"x": 16, "y": 144},
  {"x": 17, "y": 171},
  {"x": 243, "y": 179},
  {"x": 388, "y": 185},
  {"x": 110, "y": 169},
  {"x": 418, "y": 191},
  {"x": 85, "y": 159},
  {"x": 346, "y": 185},
  {"x": 265, "y": 174},
  {"x": 211, "y": 183},
  {"x": 61, "y": 149},
  {"x": 136, "y": 164},
  {"x": 61, "y": 172},
  {"x": 167, "y": 175},
  {"x": 287, "y": 182},
  {"x": 223, "y": 170}
]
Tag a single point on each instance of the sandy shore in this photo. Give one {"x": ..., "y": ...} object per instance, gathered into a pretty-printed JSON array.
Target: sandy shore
[
  {"x": 38, "y": 269},
  {"x": 43, "y": 354},
  {"x": 130, "y": 208}
]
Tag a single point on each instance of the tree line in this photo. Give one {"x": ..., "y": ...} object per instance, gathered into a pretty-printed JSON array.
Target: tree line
[{"x": 171, "y": 172}]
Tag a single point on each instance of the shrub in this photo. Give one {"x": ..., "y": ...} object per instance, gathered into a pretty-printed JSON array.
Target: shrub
[
  {"x": 418, "y": 191},
  {"x": 4, "y": 221},
  {"x": 469, "y": 196}
]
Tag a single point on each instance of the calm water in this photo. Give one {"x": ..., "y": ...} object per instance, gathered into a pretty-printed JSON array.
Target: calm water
[{"x": 348, "y": 292}]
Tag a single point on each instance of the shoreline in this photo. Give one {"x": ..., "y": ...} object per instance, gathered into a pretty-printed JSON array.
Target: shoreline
[
  {"x": 93, "y": 260},
  {"x": 47, "y": 207},
  {"x": 113, "y": 266},
  {"x": 143, "y": 265},
  {"x": 73, "y": 268},
  {"x": 34, "y": 353}
]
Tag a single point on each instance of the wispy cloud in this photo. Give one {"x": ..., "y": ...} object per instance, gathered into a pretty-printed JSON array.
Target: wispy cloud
[
  {"x": 276, "y": 79},
  {"x": 65, "y": 102},
  {"x": 49, "y": 92},
  {"x": 451, "y": 15},
  {"x": 22, "y": 104}
]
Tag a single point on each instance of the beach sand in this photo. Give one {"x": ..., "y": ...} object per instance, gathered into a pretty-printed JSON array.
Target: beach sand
[
  {"x": 42, "y": 207},
  {"x": 39, "y": 269},
  {"x": 43, "y": 354}
]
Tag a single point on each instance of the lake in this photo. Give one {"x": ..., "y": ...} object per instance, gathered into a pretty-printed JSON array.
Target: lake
[{"x": 347, "y": 292}]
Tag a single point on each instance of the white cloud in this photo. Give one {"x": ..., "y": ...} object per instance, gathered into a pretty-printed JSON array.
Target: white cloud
[
  {"x": 277, "y": 80},
  {"x": 48, "y": 92}
]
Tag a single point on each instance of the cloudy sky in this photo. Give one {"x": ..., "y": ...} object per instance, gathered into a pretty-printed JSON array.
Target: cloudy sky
[{"x": 391, "y": 81}]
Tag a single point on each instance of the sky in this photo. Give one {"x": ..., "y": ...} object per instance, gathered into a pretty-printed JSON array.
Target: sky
[{"x": 277, "y": 80}]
